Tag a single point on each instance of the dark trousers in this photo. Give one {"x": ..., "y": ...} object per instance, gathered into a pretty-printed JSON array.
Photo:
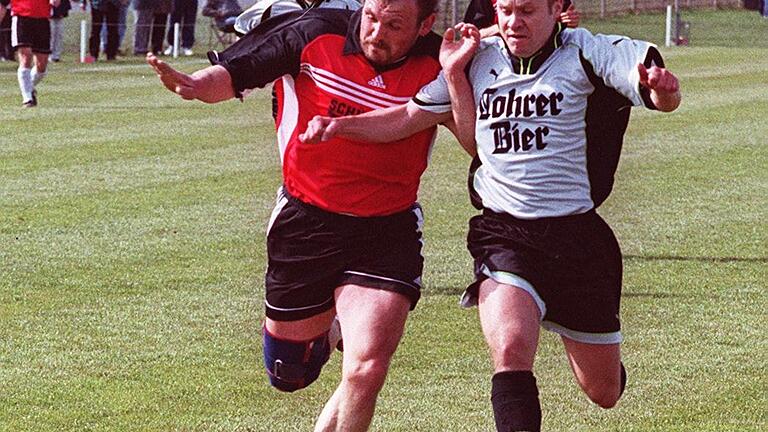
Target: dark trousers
[
  {"x": 158, "y": 32},
  {"x": 185, "y": 13},
  {"x": 6, "y": 51},
  {"x": 109, "y": 15}
]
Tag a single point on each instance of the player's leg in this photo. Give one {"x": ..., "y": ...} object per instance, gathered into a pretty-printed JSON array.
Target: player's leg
[
  {"x": 598, "y": 370},
  {"x": 586, "y": 311},
  {"x": 381, "y": 283},
  {"x": 24, "y": 73},
  {"x": 303, "y": 272},
  {"x": 41, "y": 68},
  {"x": 372, "y": 322},
  {"x": 21, "y": 40},
  {"x": 510, "y": 319},
  {"x": 296, "y": 351}
]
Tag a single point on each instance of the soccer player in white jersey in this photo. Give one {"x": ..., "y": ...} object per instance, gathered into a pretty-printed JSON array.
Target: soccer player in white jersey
[{"x": 528, "y": 102}]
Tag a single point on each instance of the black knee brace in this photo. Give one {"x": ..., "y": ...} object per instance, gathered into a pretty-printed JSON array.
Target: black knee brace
[{"x": 293, "y": 365}]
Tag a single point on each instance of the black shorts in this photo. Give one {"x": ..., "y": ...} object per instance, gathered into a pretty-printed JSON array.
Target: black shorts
[
  {"x": 31, "y": 32},
  {"x": 570, "y": 265},
  {"x": 312, "y": 252}
]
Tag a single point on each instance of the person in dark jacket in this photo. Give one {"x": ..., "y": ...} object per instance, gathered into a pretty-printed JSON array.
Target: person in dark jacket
[
  {"x": 151, "y": 16},
  {"x": 104, "y": 12}
]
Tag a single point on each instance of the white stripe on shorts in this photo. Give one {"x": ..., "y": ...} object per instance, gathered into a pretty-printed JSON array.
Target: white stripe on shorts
[
  {"x": 583, "y": 337},
  {"x": 298, "y": 308},
  {"x": 14, "y": 30},
  {"x": 281, "y": 201},
  {"x": 518, "y": 282},
  {"x": 408, "y": 284}
]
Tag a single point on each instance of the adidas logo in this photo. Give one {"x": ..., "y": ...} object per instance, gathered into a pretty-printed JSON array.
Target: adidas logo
[{"x": 377, "y": 82}]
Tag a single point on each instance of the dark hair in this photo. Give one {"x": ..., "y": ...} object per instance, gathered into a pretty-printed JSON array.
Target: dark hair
[{"x": 426, "y": 8}]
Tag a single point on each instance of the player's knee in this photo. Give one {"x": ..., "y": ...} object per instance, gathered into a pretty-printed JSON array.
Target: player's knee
[
  {"x": 607, "y": 394},
  {"x": 516, "y": 353},
  {"x": 366, "y": 376},
  {"x": 293, "y": 365}
]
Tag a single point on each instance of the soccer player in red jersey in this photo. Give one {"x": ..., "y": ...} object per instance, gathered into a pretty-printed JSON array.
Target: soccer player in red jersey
[
  {"x": 30, "y": 37},
  {"x": 345, "y": 237}
]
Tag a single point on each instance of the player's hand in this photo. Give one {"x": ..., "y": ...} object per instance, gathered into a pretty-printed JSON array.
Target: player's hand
[
  {"x": 175, "y": 81},
  {"x": 663, "y": 84},
  {"x": 658, "y": 79},
  {"x": 455, "y": 53},
  {"x": 570, "y": 17},
  {"x": 319, "y": 129}
]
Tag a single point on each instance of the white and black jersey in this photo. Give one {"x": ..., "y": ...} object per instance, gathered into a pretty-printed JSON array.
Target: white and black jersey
[{"x": 549, "y": 127}]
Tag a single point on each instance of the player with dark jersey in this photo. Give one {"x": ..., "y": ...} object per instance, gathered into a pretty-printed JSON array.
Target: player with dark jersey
[
  {"x": 30, "y": 37},
  {"x": 345, "y": 236},
  {"x": 543, "y": 256}
]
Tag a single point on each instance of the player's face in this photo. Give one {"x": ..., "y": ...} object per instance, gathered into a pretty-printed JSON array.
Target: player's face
[
  {"x": 389, "y": 28},
  {"x": 526, "y": 25}
]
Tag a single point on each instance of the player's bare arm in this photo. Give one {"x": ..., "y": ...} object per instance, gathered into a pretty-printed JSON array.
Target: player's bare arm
[
  {"x": 664, "y": 87},
  {"x": 380, "y": 126},
  {"x": 455, "y": 55},
  {"x": 212, "y": 84}
]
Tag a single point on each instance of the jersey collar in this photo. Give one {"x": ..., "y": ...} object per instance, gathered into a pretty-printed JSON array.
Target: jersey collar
[
  {"x": 529, "y": 65},
  {"x": 428, "y": 45}
]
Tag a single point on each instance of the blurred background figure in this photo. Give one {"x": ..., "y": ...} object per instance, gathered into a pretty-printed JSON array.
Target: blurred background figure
[
  {"x": 104, "y": 12},
  {"x": 6, "y": 50},
  {"x": 183, "y": 12},
  {"x": 224, "y": 13},
  {"x": 263, "y": 9},
  {"x": 57, "y": 28},
  {"x": 122, "y": 14},
  {"x": 151, "y": 17}
]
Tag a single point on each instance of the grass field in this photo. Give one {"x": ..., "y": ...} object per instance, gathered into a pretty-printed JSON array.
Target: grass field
[{"x": 132, "y": 259}]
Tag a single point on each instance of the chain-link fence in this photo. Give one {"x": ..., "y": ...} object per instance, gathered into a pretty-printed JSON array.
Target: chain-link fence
[{"x": 597, "y": 8}]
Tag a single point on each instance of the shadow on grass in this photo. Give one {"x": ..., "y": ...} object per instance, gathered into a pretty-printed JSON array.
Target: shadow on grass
[{"x": 698, "y": 259}]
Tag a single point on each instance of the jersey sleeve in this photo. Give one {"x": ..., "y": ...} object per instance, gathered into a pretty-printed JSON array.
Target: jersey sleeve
[
  {"x": 261, "y": 11},
  {"x": 615, "y": 60},
  {"x": 274, "y": 48},
  {"x": 433, "y": 97}
]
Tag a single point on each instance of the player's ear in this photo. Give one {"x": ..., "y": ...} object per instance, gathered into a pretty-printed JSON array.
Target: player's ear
[
  {"x": 557, "y": 7},
  {"x": 426, "y": 24}
]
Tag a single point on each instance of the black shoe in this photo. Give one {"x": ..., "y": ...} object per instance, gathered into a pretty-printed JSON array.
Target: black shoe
[{"x": 32, "y": 102}]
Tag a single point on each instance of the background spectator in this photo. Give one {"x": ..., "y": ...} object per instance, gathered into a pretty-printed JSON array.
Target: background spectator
[
  {"x": 122, "y": 13},
  {"x": 6, "y": 51},
  {"x": 104, "y": 12},
  {"x": 151, "y": 16},
  {"x": 185, "y": 13},
  {"x": 224, "y": 13},
  {"x": 57, "y": 28}
]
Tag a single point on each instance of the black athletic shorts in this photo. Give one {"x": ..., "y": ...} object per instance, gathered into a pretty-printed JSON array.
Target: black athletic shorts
[
  {"x": 31, "y": 32},
  {"x": 570, "y": 265},
  {"x": 312, "y": 252}
]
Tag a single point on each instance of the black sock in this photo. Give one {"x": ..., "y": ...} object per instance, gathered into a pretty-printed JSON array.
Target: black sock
[{"x": 515, "y": 400}]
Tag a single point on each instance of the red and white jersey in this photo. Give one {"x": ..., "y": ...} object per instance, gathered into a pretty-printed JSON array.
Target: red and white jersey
[
  {"x": 31, "y": 8},
  {"x": 324, "y": 72}
]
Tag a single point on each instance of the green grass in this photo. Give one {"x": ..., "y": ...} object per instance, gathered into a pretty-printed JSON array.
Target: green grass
[{"x": 132, "y": 258}]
